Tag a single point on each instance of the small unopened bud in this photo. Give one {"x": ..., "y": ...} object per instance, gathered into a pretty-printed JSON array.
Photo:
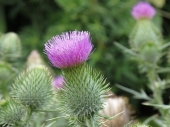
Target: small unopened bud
[
  {"x": 10, "y": 46},
  {"x": 34, "y": 59},
  {"x": 33, "y": 87}
]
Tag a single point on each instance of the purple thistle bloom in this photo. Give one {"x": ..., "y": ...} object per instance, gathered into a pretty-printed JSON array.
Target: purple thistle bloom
[
  {"x": 69, "y": 49},
  {"x": 143, "y": 10},
  {"x": 58, "y": 82}
]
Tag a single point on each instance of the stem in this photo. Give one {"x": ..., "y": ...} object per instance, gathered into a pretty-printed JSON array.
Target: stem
[
  {"x": 36, "y": 110},
  {"x": 90, "y": 123},
  {"x": 157, "y": 92},
  {"x": 4, "y": 90},
  {"x": 29, "y": 113}
]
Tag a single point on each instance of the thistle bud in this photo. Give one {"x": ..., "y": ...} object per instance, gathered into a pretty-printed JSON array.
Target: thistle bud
[
  {"x": 33, "y": 87},
  {"x": 10, "y": 46},
  {"x": 150, "y": 52},
  {"x": 143, "y": 32},
  {"x": 34, "y": 59},
  {"x": 10, "y": 113}
]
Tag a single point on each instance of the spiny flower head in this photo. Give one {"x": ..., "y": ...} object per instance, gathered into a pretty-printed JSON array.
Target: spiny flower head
[
  {"x": 69, "y": 49},
  {"x": 10, "y": 113},
  {"x": 143, "y": 10},
  {"x": 58, "y": 82},
  {"x": 33, "y": 87}
]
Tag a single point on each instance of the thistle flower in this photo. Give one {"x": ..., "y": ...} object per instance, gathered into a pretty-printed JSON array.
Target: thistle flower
[
  {"x": 69, "y": 49},
  {"x": 113, "y": 106},
  {"x": 58, "y": 82},
  {"x": 143, "y": 10},
  {"x": 83, "y": 93},
  {"x": 33, "y": 87}
]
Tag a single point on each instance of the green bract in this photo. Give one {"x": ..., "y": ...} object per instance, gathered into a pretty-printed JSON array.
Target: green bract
[
  {"x": 82, "y": 96},
  {"x": 33, "y": 87},
  {"x": 144, "y": 32},
  {"x": 150, "y": 52}
]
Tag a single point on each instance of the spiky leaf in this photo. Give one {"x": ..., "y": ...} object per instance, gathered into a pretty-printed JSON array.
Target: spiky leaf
[{"x": 33, "y": 87}]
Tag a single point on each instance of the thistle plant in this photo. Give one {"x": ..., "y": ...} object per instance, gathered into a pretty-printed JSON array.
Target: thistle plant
[
  {"x": 30, "y": 92},
  {"x": 147, "y": 48},
  {"x": 82, "y": 96}
]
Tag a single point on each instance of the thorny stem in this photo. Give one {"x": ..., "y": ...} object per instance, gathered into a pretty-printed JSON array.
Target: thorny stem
[
  {"x": 157, "y": 92},
  {"x": 90, "y": 123},
  {"x": 29, "y": 113}
]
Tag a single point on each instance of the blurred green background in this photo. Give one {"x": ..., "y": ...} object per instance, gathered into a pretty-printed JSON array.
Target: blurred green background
[{"x": 108, "y": 21}]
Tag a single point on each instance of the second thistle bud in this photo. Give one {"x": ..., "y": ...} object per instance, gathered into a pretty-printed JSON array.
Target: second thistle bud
[
  {"x": 33, "y": 87},
  {"x": 143, "y": 32},
  {"x": 69, "y": 49},
  {"x": 10, "y": 46}
]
